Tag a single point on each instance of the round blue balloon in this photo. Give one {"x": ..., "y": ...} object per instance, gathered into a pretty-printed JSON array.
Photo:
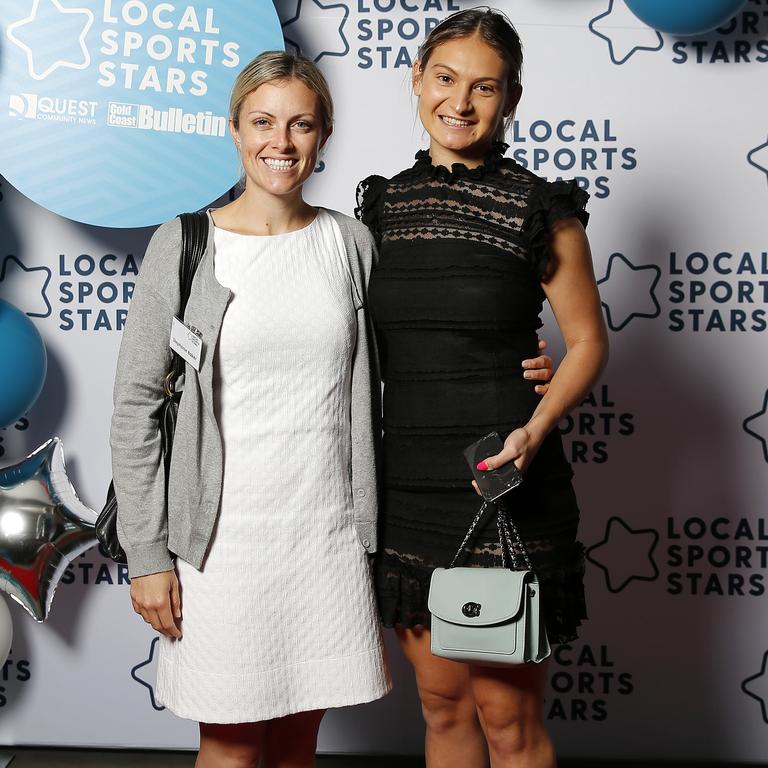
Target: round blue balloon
[
  {"x": 23, "y": 363},
  {"x": 685, "y": 17}
]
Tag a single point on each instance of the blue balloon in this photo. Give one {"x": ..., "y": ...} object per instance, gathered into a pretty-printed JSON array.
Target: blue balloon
[
  {"x": 23, "y": 363},
  {"x": 685, "y": 17}
]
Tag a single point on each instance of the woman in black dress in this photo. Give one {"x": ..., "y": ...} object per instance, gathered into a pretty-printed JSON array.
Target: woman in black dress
[{"x": 470, "y": 246}]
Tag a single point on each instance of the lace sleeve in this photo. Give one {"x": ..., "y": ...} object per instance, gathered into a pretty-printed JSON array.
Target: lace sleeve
[
  {"x": 548, "y": 203},
  {"x": 370, "y": 194}
]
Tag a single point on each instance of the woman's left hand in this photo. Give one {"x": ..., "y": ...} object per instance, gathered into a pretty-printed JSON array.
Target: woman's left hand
[
  {"x": 520, "y": 447},
  {"x": 539, "y": 369}
]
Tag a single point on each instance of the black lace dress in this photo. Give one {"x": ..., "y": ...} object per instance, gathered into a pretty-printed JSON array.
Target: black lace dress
[{"x": 456, "y": 298}]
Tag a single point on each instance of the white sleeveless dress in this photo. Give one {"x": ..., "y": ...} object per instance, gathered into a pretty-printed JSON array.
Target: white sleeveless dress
[{"x": 282, "y": 617}]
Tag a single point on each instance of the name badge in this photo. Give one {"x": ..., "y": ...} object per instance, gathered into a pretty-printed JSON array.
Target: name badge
[{"x": 187, "y": 342}]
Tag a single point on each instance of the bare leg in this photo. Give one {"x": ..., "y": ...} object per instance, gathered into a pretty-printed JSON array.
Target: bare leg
[
  {"x": 230, "y": 746},
  {"x": 291, "y": 741},
  {"x": 510, "y": 701},
  {"x": 454, "y": 738}
]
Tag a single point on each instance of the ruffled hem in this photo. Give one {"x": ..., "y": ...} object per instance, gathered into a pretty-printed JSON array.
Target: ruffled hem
[
  {"x": 549, "y": 202},
  {"x": 460, "y": 171},
  {"x": 370, "y": 195},
  {"x": 562, "y": 592},
  {"x": 403, "y": 588}
]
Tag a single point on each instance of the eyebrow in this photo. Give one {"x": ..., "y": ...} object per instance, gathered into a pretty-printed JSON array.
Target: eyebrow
[
  {"x": 269, "y": 114},
  {"x": 453, "y": 71}
]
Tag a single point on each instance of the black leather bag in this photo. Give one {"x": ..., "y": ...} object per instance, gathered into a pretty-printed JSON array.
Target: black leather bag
[{"x": 194, "y": 236}]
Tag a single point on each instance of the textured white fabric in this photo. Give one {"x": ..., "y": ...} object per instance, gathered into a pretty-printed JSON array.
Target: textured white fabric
[{"x": 282, "y": 617}]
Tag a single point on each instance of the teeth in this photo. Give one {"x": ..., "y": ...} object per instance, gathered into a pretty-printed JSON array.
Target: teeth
[
  {"x": 453, "y": 121},
  {"x": 278, "y": 165}
]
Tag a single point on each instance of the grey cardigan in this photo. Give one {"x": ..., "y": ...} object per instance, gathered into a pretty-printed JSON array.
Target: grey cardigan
[{"x": 151, "y": 528}]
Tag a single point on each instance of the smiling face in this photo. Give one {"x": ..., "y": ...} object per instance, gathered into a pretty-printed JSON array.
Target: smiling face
[
  {"x": 279, "y": 134},
  {"x": 464, "y": 97}
]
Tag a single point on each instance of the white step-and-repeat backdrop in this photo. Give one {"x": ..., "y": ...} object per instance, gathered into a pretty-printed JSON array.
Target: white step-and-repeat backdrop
[{"x": 669, "y": 135}]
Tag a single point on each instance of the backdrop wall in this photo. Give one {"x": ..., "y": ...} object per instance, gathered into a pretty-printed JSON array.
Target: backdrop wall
[{"x": 670, "y": 136}]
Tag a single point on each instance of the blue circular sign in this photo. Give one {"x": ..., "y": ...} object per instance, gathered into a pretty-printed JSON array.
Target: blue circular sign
[{"x": 114, "y": 112}]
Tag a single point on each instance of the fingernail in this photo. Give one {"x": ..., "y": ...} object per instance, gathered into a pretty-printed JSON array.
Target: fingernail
[
  {"x": 527, "y": 374},
  {"x": 482, "y": 466}
]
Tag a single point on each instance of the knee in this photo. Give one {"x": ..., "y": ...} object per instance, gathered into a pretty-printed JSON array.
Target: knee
[
  {"x": 228, "y": 756},
  {"x": 223, "y": 760},
  {"x": 243, "y": 761},
  {"x": 513, "y": 735},
  {"x": 508, "y": 738},
  {"x": 445, "y": 711}
]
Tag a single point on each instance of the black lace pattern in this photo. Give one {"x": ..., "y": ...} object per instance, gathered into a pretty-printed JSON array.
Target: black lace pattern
[
  {"x": 498, "y": 203},
  {"x": 456, "y": 299},
  {"x": 423, "y": 532}
]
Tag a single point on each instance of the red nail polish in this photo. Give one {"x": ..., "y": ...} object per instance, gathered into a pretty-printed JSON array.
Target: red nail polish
[{"x": 482, "y": 466}]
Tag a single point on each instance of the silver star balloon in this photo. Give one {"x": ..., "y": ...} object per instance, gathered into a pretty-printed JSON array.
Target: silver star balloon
[
  {"x": 6, "y": 632},
  {"x": 43, "y": 527}
]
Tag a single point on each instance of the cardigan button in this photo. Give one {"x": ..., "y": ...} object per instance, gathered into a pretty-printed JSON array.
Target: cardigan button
[
  {"x": 366, "y": 543},
  {"x": 361, "y": 492}
]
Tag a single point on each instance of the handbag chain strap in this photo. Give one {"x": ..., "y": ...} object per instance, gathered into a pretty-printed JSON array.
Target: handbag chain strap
[
  {"x": 507, "y": 529},
  {"x": 504, "y": 525},
  {"x": 472, "y": 526}
]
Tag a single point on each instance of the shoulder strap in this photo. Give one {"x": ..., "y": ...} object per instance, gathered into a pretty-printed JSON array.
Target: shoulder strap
[{"x": 194, "y": 238}]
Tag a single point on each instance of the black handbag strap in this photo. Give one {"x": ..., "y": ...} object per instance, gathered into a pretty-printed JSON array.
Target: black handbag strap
[
  {"x": 506, "y": 529},
  {"x": 194, "y": 238}
]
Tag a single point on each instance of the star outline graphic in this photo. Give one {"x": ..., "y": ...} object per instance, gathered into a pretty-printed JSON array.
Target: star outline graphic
[
  {"x": 135, "y": 670},
  {"x": 745, "y": 689},
  {"x": 754, "y": 434},
  {"x": 606, "y": 538},
  {"x": 651, "y": 291},
  {"x": 325, "y": 7},
  {"x": 754, "y": 163},
  {"x": 43, "y": 290},
  {"x": 59, "y": 62},
  {"x": 611, "y": 51}
]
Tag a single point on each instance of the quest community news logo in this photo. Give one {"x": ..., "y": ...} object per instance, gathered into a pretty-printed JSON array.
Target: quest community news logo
[
  {"x": 120, "y": 115},
  {"x": 193, "y": 43}
]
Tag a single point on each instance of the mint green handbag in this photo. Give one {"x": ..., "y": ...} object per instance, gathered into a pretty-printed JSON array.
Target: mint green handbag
[{"x": 488, "y": 616}]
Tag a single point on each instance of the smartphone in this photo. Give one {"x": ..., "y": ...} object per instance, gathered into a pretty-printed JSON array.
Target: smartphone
[{"x": 493, "y": 483}]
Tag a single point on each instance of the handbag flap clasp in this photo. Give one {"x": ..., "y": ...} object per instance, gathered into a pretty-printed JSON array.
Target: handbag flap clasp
[{"x": 478, "y": 596}]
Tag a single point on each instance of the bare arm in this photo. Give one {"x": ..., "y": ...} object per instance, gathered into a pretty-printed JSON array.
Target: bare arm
[{"x": 575, "y": 301}]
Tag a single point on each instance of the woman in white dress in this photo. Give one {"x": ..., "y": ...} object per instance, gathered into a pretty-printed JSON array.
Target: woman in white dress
[{"x": 275, "y": 621}]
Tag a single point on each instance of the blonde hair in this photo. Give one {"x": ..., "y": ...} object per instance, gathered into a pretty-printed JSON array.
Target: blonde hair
[{"x": 270, "y": 66}]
